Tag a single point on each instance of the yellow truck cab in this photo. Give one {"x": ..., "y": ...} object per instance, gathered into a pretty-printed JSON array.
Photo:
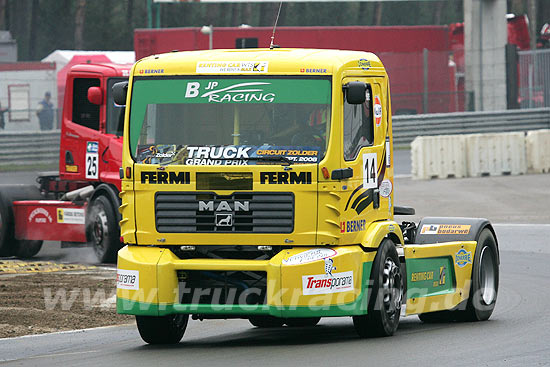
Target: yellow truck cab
[{"x": 259, "y": 184}]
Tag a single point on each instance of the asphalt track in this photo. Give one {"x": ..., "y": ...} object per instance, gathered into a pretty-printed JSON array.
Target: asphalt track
[{"x": 516, "y": 335}]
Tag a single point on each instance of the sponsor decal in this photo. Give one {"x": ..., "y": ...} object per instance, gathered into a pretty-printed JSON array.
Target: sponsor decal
[
  {"x": 442, "y": 275},
  {"x": 40, "y": 215},
  {"x": 386, "y": 188},
  {"x": 329, "y": 266},
  {"x": 422, "y": 276},
  {"x": 92, "y": 147},
  {"x": 223, "y": 155},
  {"x": 391, "y": 228},
  {"x": 285, "y": 178},
  {"x": 377, "y": 111},
  {"x": 151, "y": 71},
  {"x": 445, "y": 229},
  {"x": 70, "y": 216},
  {"x": 326, "y": 284},
  {"x": 127, "y": 279},
  {"x": 154, "y": 177},
  {"x": 370, "y": 173},
  {"x": 309, "y": 256},
  {"x": 221, "y": 67},
  {"x": 364, "y": 64},
  {"x": 352, "y": 226},
  {"x": 313, "y": 70},
  {"x": 463, "y": 258}
]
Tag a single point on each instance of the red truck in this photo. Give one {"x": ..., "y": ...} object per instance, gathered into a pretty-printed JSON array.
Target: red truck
[{"x": 79, "y": 204}]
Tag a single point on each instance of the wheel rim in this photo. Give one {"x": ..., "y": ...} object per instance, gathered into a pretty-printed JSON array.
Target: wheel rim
[
  {"x": 392, "y": 288},
  {"x": 487, "y": 278},
  {"x": 100, "y": 231}
]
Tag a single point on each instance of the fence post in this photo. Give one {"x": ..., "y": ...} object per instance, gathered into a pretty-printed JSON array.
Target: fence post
[{"x": 425, "y": 97}]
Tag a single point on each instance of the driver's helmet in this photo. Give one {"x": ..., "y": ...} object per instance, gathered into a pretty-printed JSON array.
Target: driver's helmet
[
  {"x": 318, "y": 121},
  {"x": 545, "y": 32}
]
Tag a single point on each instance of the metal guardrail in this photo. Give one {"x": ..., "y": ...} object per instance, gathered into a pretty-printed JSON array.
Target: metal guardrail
[
  {"x": 29, "y": 148},
  {"x": 38, "y": 147},
  {"x": 406, "y": 128}
]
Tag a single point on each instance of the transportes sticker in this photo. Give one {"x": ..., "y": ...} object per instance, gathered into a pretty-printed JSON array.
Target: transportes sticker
[
  {"x": 309, "y": 256},
  {"x": 325, "y": 283},
  {"x": 127, "y": 279}
]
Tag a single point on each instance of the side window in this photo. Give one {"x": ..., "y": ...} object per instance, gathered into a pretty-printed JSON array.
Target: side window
[
  {"x": 358, "y": 126},
  {"x": 84, "y": 112}
]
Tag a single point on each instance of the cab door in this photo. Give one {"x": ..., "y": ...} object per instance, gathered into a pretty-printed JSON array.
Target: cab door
[
  {"x": 366, "y": 150},
  {"x": 81, "y": 129}
]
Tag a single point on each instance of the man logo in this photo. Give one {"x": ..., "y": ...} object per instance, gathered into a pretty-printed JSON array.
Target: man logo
[
  {"x": 223, "y": 206},
  {"x": 224, "y": 220}
]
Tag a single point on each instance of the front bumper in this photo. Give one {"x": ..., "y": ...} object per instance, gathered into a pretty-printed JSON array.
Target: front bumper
[{"x": 298, "y": 282}]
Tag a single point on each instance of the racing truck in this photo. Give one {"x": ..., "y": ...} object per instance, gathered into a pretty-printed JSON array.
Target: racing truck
[
  {"x": 78, "y": 204},
  {"x": 258, "y": 184}
]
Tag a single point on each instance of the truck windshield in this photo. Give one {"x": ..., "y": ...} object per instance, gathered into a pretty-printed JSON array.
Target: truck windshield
[{"x": 229, "y": 121}]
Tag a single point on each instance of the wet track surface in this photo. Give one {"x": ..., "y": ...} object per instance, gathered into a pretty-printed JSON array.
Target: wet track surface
[{"x": 516, "y": 335}]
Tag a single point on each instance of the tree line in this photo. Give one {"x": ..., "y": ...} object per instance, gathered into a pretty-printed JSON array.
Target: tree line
[{"x": 42, "y": 26}]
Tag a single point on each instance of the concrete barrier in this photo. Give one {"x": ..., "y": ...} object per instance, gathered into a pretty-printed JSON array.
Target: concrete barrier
[
  {"x": 538, "y": 151},
  {"x": 440, "y": 156},
  {"x": 496, "y": 154}
]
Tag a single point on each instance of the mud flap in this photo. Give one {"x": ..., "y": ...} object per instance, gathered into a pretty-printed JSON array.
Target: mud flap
[{"x": 438, "y": 275}]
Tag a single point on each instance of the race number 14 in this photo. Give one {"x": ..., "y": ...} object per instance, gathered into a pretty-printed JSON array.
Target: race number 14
[
  {"x": 91, "y": 165},
  {"x": 370, "y": 178}
]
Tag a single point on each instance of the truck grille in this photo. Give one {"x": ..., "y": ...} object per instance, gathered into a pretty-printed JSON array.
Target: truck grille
[{"x": 207, "y": 212}]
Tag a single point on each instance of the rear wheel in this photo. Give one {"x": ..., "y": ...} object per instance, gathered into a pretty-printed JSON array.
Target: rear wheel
[
  {"x": 26, "y": 249},
  {"x": 167, "y": 329},
  {"x": 266, "y": 321},
  {"x": 302, "y": 321},
  {"x": 6, "y": 233},
  {"x": 485, "y": 278},
  {"x": 385, "y": 295},
  {"x": 103, "y": 231}
]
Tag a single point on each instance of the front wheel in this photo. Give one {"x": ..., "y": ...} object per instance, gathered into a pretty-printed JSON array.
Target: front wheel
[
  {"x": 385, "y": 295},
  {"x": 103, "y": 231},
  {"x": 167, "y": 329}
]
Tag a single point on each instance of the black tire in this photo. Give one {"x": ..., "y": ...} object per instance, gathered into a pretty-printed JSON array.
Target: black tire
[
  {"x": 6, "y": 228},
  {"x": 485, "y": 279},
  {"x": 385, "y": 295},
  {"x": 162, "y": 329},
  {"x": 25, "y": 249},
  {"x": 8, "y": 194},
  {"x": 266, "y": 321},
  {"x": 103, "y": 230},
  {"x": 302, "y": 321}
]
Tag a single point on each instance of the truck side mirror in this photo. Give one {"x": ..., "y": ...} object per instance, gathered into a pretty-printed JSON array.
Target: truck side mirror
[
  {"x": 95, "y": 95},
  {"x": 120, "y": 90},
  {"x": 355, "y": 92}
]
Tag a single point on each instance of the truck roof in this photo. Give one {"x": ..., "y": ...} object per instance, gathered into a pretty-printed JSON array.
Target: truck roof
[
  {"x": 107, "y": 69},
  {"x": 260, "y": 61}
]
